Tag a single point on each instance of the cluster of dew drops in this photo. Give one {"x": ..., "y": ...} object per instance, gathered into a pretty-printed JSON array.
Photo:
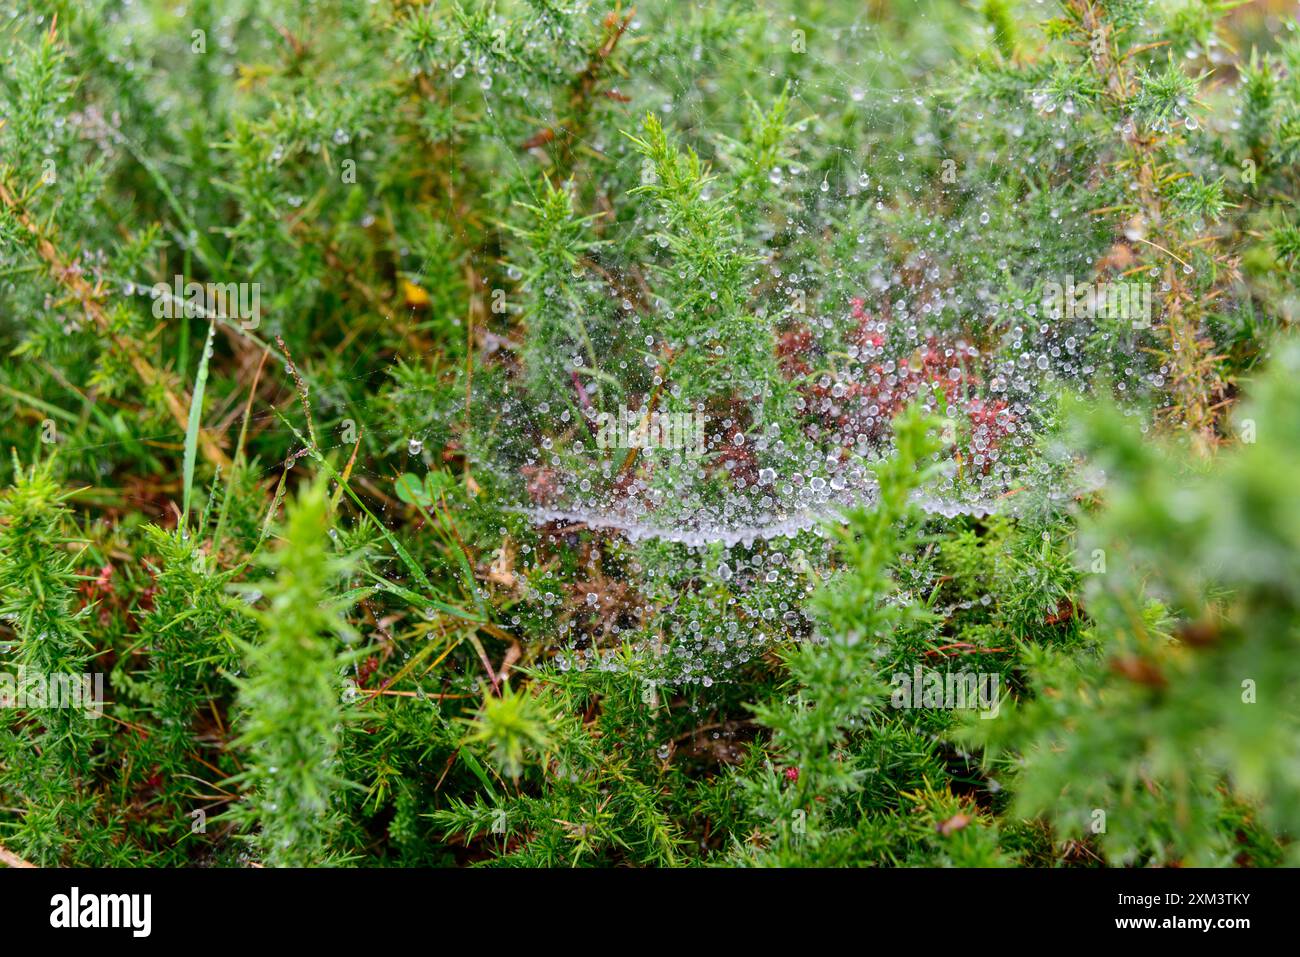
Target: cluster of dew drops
[{"x": 726, "y": 573}]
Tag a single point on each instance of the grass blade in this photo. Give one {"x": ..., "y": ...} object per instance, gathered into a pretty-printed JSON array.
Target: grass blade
[{"x": 195, "y": 423}]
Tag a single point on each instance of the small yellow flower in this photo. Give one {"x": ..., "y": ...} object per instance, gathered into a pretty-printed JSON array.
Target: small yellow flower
[{"x": 415, "y": 295}]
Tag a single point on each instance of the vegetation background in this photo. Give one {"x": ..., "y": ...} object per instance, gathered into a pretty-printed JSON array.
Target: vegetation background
[{"x": 292, "y": 544}]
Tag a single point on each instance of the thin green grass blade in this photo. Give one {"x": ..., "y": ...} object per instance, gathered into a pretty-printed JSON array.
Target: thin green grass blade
[{"x": 192, "y": 428}]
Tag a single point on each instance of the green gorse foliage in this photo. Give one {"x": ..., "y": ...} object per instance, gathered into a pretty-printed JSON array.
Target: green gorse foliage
[
  {"x": 49, "y": 754},
  {"x": 321, "y": 555},
  {"x": 833, "y": 690},
  {"x": 292, "y": 697},
  {"x": 1184, "y": 713}
]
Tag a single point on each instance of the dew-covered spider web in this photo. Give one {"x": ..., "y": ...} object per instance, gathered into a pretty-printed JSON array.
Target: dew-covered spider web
[{"x": 700, "y": 382}]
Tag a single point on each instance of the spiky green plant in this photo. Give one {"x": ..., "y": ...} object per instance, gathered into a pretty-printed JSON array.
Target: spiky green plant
[
  {"x": 291, "y": 701},
  {"x": 478, "y": 226},
  {"x": 48, "y": 749}
]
